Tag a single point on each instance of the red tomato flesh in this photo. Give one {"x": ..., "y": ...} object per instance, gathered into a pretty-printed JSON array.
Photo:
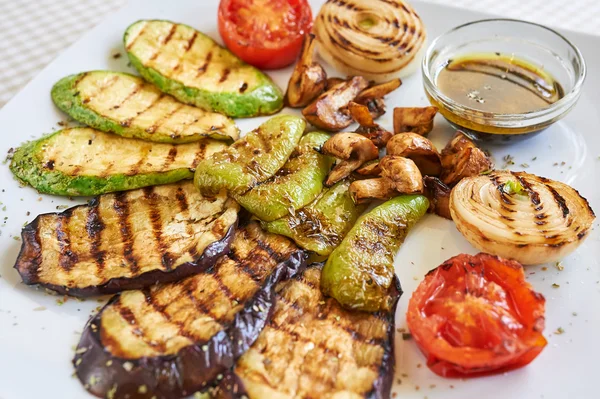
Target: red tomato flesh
[
  {"x": 265, "y": 33},
  {"x": 476, "y": 315}
]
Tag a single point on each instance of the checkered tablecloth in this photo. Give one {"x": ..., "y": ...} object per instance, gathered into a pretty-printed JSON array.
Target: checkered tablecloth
[{"x": 33, "y": 32}]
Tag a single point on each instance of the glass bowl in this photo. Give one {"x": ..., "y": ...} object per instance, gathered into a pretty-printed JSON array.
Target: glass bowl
[{"x": 536, "y": 44}]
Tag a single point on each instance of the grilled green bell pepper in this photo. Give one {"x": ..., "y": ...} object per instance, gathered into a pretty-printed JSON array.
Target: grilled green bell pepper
[
  {"x": 360, "y": 270},
  {"x": 295, "y": 185},
  {"x": 321, "y": 225},
  {"x": 252, "y": 159}
]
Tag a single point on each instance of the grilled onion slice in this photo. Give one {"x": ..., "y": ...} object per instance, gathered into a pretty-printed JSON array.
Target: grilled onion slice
[
  {"x": 520, "y": 216},
  {"x": 377, "y": 39}
]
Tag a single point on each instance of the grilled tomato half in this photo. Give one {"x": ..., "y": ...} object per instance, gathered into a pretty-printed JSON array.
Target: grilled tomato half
[
  {"x": 265, "y": 33},
  {"x": 476, "y": 315}
]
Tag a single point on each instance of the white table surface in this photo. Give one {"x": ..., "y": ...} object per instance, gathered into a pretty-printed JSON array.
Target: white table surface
[{"x": 33, "y": 32}]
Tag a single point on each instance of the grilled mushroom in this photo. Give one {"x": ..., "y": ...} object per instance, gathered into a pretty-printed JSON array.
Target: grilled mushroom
[
  {"x": 332, "y": 82},
  {"x": 462, "y": 158},
  {"x": 329, "y": 110},
  {"x": 370, "y": 168},
  {"x": 416, "y": 120},
  {"x": 308, "y": 79},
  {"x": 439, "y": 196},
  {"x": 418, "y": 148},
  {"x": 373, "y": 96},
  {"x": 353, "y": 149},
  {"x": 362, "y": 191},
  {"x": 368, "y": 127},
  {"x": 403, "y": 173}
]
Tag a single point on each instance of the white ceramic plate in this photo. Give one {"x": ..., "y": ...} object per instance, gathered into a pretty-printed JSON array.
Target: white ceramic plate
[{"x": 37, "y": 333}]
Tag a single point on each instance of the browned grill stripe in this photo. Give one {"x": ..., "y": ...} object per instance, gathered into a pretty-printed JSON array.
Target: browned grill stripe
[
  {"x": 128, "y": 121},
  {"x": 66, "y": 258},
  {"x": 121, "y": 206},
  {"x": 199, "y": 153},
  {"x": 182, "y": 202},
  {"x": 170, "y": 35},
  {"x": 135, "y": 168},
  {"x": 225, "y": 75},
  {"x": 80, "y": 78},
  {"x": 110, "y": 83},
  {"x": 128, "y": 97},
  {"x": 94, "y": 227},
  {"x": 200, "y": 305},
  {"x": 190, "y": 42},
  {"x": 128, "y": 315},
  {"x": 163, "y": 120},
  {"x": 155, "y": 219},
  {"x": 204, "y": 66},
  {"x": 142, "y": 31},
  {"x": 246, "y": 266},
  {"x": 170, "y": 157},
  {"x": 533, "y": 195},
  {"x": 562, "y": 204},
  {"x": 161, "y": 309}
]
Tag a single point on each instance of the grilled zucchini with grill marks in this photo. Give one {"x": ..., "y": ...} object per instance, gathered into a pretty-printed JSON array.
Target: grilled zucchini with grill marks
[
  {"x": 360, "y": 271},
  {"x": 83, "y": 161},
  {"x": 191, "y": 67},
  {"x": 175, "y": 339},
  {"x": 313, "y": 348},
  {"x": 252, "y": 159},
  {"x": 296, "y": 184},
  {"x": 124, "y": 104},
  {"x": 127, "y": 240},
  {"x": 322, "y": 225}
]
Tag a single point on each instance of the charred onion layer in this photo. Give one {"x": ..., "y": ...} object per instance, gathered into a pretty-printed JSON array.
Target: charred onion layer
[{"x": 520, "y": 216}]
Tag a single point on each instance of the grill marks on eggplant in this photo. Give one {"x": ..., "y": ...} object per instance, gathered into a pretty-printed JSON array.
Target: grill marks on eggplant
[
  {"x": 177, "y": 338},
  {"x": 126, "y": 105},
  {"x": 313, "y": 348},
  {"x": 182, "y": 57},
  {"x": 127, "y": 240}
]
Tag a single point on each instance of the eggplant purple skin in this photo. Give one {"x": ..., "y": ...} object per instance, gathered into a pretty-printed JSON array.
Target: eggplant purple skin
[
  {"x": 192, "y": 369},
  {"x": 382, "y": 386},
  {"x": 30, "y": 249}
]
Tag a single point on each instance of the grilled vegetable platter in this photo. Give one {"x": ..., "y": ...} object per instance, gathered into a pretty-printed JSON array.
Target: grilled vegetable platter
[{"x": 286, "y": 216}]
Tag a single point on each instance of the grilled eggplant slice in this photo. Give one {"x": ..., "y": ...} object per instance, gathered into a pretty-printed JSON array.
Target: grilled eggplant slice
[
  {"x": 359, "y": 272},
  {"x": 194, "y": 69},
  {"x": 124, "y": 104},
  {"x": 295, "y": 185},
  {"x": 127, "y": 240},
  {"x": 252, "y": 159},
  {"x": 83, "y": 161},
  {"x": 313, "y": 348},
  {"x": 320, "y": 226},
  {"x": 172, "y": 340}
]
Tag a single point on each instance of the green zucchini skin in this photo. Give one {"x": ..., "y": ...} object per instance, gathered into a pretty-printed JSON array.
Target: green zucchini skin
[
  {"x": 360, "y": 271},
  {"x": 295, "y": 185},
  {"x": 265, "y": 98},
  {"x": 66, "y": 96},
  {"x": 28, "y": 167}
]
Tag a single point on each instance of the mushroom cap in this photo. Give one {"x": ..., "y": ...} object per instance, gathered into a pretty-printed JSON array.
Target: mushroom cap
[
  {"x": 417, "y": 148},
  {"x": 403, "y": 173},
  {"x": 348, "y": 146}
]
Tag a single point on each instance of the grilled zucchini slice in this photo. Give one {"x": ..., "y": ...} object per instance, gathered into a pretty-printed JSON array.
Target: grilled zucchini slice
[
  {"x": 313, "y": 348},
  {"x": 175, "y": 339},
  {"x": 127, "y": 240},
  {"x": 296, "y": 184},
  {"x": 124, "y": 104},
  {"x": 321, "y": 225},
  {"x": 252, "y": 159},
  {"x": 83, "y": 161},
  {"x": 194, "y": 69}
]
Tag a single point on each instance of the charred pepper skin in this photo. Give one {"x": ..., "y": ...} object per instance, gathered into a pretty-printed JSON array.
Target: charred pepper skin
[
  {"x": 295, "y": 185},
  {"x": 320, "y": 226},
  {"x": 360, "y": 270},
  {"x": 252, "y": 159}
]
